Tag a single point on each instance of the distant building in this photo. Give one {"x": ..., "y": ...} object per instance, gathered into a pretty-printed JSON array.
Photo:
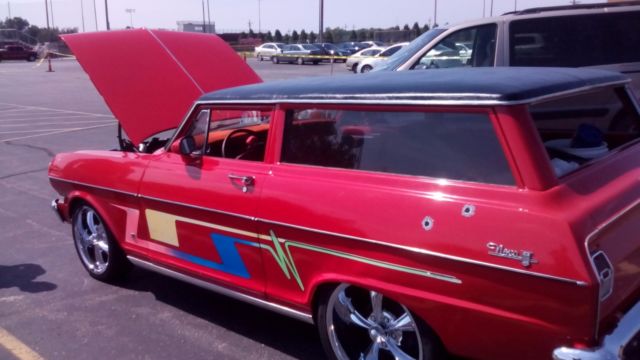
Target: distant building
[{"x": 196, "y": 26}]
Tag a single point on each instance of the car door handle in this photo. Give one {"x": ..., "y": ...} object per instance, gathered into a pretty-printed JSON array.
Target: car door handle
[{"x": 246, "y": 181}]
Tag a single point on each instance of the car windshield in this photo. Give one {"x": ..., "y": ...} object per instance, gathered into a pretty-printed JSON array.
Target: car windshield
[
  {"x": 309, "y": 47},
  {"x": 399, "y": 58},
  {"x": 329, "y": 46}
]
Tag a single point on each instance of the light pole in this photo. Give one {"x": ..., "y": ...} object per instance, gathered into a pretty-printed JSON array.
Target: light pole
[
  {"x": 204, "y": 22},
  {"x": 491, "y": 10},
  {"x": 320, "y": 37},
  {"x": 435, "y": 13},
  {"x": 95, "y": 14},
  {"x": 515, "y": 5},
  {"x": 53, "y": 25},
  {"x": 130, "y": 11},
  {"x": 82, "y": 14},
  {"x": 484, "y": 8},
  {"x": 259, "y": 19},
  {"x": 106, "y": 14},
  {"x": 209, "y": 16}
]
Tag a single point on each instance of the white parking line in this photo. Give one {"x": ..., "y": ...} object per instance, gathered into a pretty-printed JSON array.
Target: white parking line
[
  {"x": 62, "y": 116},
  {"x": 52, "y": 109},
  {"x": 56, "y": 132},
  {"x": 57, "y": 123}
]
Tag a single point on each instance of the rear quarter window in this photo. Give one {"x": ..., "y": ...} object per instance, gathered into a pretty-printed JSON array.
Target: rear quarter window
[
  {"x": 584, "y": 127},
  {"x": 575, "y": 41},
  {"x": 456, "y": 146}
]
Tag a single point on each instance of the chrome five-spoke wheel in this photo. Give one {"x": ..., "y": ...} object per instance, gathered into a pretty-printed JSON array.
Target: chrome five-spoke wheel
[
  {"x": 362, "y": 324},
  {"x": 98, "y": 253}
]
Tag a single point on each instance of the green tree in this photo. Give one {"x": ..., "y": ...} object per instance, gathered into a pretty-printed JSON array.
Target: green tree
[
  {"x": 353, "y": 36},
  {"x": 269, "y": 37},
  {"x": 406, "y": 27},
  {"x": 328, "y": 37},
  {"x": 295, "y": 37},
  {"x": 415, "y": 29},
  {"x": 304, "y": 37},
  {"x": 312, "y": 37},
  {"x": 278, "y": 36},
  {"x": 17, "y": 23},
  {"x": 362, "y": 35},
  {"x": 425, "y": 28},
  {"x": 286, "y": 38}
]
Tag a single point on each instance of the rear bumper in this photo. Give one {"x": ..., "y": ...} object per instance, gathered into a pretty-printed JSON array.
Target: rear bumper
[
  {"x": 614, "y": 345},
  {"x": 58, "y": 206}
]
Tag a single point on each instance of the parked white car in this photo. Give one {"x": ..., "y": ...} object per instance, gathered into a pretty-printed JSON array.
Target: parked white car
[
  {"x": 353, "y": 60},
  {"x": 368, "y": 64},
  {"x": 267, "y": 50}
]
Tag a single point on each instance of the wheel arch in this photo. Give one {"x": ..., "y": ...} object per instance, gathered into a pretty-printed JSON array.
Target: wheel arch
[{"x": 78, "y": 198}]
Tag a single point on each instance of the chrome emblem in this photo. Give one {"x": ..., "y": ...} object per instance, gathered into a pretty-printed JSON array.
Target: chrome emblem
[{"x": 525, "y": 257}]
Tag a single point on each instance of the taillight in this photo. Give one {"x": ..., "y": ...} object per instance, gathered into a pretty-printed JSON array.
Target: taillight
[{"x": 604, "y": 272}]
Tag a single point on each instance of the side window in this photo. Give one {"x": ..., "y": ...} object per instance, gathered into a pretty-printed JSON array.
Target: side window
[
  {"x": 575, "y": 41},
  {"x": 457, "y": 146},
  {"x": 474, "y": 46},
  {"x": 232, "y": 133},
  {"x": 390, "y": 51},
  {"x": 585, "y": 126}
]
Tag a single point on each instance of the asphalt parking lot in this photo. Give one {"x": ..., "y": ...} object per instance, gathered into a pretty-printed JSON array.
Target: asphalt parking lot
[{"x": 49, "y": 307}]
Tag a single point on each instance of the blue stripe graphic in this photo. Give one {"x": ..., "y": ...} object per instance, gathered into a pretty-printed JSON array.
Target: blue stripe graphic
[{"x": 231, "y": 262}]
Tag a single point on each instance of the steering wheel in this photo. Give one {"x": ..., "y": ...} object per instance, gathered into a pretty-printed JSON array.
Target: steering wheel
[{"x": 230, "y": 135}]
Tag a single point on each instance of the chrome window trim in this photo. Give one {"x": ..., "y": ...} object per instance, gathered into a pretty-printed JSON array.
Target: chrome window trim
[
  {"x": 280, "y": 309},
  {"x": 350, "y": 237},
  {"x": 179, "y": 129},
  {"x": 383, "y": 99}
]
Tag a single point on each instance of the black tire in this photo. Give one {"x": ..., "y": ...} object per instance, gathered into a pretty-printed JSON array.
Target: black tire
[
  {"x": 300, "y": 61},
  {"x": 366, "y": 69},
  {"x": 260, "y": 58},
  {"x": 316, "y": 62},
  {"x": 99, "y": 252},
  {"x": 423, "y": 344},
  {"x": 275, "y": 60},
  {"x": 354, "y": 68},
  {"x": 31, "y": 58}
]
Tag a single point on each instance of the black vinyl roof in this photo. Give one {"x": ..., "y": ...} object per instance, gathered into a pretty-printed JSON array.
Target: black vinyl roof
[{"x": 463, "y": 86}]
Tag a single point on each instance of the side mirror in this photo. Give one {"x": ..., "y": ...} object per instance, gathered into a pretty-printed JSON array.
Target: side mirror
[{"x": 187, "y": 147}]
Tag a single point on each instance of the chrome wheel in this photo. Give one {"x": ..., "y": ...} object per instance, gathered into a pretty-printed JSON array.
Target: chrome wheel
[
  {"x": 92, "y": 240},
  {"x": 362, "y": 324}
]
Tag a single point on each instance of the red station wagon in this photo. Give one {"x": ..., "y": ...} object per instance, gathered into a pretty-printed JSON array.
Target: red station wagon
[{"x": 482, "y": 213}]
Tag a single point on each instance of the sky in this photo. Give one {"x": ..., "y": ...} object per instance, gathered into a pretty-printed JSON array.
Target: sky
[{"x": 285, "y": 15}]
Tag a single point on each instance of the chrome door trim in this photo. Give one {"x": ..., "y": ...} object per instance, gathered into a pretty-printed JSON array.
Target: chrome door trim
[
  {"x": 196, "y": 207},
  {"x": 92, "y": 186},
  {"x": 280, "y": 309}
]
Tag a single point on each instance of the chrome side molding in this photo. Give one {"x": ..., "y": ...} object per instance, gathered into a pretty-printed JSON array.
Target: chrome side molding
[{"x": 298, "y": 315}]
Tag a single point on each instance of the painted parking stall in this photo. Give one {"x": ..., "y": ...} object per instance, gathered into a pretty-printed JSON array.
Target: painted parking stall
[{"x": 18, "y": 122}]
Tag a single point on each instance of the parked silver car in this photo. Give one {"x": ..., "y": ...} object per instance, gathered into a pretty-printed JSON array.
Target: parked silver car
[
  {"x": 602, "y": 35},
  {"x": 267, "y": 50},
  {"x": 353, "y": 60},
  {"x": 368, "y": 64}
]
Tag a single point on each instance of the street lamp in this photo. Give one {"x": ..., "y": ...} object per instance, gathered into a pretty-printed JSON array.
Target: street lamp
[
  {"x": 435, "y": 13},
  {"x": 82, "y": 14},
  {"x": 259, "y": 19},
  {"x": 106, "y": 14},
  {"x": 130, "y": 11}
]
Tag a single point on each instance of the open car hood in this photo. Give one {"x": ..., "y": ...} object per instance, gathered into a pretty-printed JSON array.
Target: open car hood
[{"x": 150, "y": 78}]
